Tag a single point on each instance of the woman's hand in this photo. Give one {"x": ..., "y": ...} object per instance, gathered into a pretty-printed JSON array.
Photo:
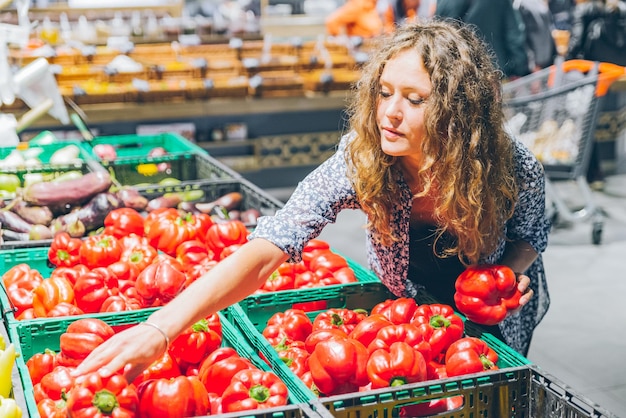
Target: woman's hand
[
  {"x": 523, "y": 283},
  {"x": 130, "y": 351}
]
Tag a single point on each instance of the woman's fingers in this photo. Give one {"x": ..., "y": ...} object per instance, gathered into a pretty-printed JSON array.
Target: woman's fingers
[{"x": 129, "y": 351}]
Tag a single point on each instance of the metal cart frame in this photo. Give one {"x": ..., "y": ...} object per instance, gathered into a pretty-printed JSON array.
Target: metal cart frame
[{"x": 554, "y": 112}]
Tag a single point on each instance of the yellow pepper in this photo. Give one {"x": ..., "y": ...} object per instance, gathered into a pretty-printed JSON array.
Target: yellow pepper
[
  {"x": 9, "y": 408},
  {"x": 7, "y": 360}
]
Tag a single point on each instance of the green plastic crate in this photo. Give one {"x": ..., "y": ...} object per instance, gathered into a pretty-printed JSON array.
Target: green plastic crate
[
  {"x": 34, "y": 336},
  {"x": 138, "y": 146},
  {"x": 252, "y": 313},
  {"x": 47, "y": 150},
  {"x": 189, "y": 166}
]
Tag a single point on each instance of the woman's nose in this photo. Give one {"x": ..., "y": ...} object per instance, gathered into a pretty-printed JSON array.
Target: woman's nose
[{"x": 393, "y": 110}]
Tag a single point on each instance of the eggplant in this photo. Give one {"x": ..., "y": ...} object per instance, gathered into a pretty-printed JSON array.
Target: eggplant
[
  {"x": 131, "y": 198},
  {"x": 73, "y": 192},
  {"x": 229, "y": 201},
  {"x": 14, "y": 222},
  {"x": 92, "y": 214},
  {"x": 36, "y": 215}
]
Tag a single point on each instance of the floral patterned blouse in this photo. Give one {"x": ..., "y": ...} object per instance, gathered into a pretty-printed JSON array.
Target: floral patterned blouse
[{"x": 326, "y": 191}]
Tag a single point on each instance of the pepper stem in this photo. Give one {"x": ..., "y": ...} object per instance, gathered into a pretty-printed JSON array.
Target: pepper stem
[
  {"x": 259, "y": 393},
  {"x": 105, "y": 401}
]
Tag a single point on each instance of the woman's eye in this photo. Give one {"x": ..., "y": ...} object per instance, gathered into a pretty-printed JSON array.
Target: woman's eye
[
  {"x": 384, "y": 94},
  {"x": 416, "y": 102}
]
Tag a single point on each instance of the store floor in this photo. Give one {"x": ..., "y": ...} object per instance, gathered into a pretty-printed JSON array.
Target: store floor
[{"x": 582, "y": 339}]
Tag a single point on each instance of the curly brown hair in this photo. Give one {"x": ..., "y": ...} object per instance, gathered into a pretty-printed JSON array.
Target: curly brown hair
[{"x": 467, "y": 152}]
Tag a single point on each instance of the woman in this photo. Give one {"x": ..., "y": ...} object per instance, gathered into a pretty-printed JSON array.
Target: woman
[{"x": 427, "y": 151}]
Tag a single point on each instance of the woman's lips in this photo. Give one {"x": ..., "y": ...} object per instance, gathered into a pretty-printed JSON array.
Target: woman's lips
[{"x": 391, "y": 133}]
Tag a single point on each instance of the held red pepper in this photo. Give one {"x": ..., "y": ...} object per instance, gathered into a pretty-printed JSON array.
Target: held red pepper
[
  {"x": 486, "y": 293},
  {"x": 64, "y": 250},
  {"x": 470, "y": 355},
  {"x": 439, "y": 324},
  {"x": 182, "y": 396},
  {"x": 96, "y": 397},
  {"x": 254, "y": 389},
  {"x": 396, "y": 365},
  {"x": 338, "y": 365}
]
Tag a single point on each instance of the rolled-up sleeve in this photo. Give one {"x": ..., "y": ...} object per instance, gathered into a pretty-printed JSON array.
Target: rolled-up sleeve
[{"x": 315, "y": 202}]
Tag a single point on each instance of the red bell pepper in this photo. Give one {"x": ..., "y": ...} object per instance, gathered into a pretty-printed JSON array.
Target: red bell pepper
[
  {"x": 40, "y": 364},
  {"x": 93, "y": 288},
  {"x": 342, "y": 318},
  {"x": 196, "y": 342},
  {"x": 70, "y": 273},
  {"x": 20, "y": 281},
  {"x": 486, "y": 293},
  {"x": 277, "y": 282},
  {"x": 192, "y": 252},
  {"x": 122, "y": 222},
  {"x": 54, "y": 385},
  {"x": 120, "y": 303},
  {"x": 50, "y": 293},
  {"x": 398, "y": 311},
  {"x": 296, "y": 358},
  {"x": 224, "y": 234},
  {"x": 137, "y": 250},
  {"x": 470, "y": 355},
  {"x": 63, "y": 309},
  {"x": 163, "y": 368},
  {"x": 49, "y": 408},
  {"x": 439, "y": 324},
  {"x": 64, "y": 250},
  {"x": 253, "y": 389},
  {"x": 81, "y": 338},
  {"x": 406, "y": 333},
  {"x": 396, "y": 365},
  {"x": 366, "y": 330},
  {"x": 182, "y": 396},
  {"x": 169, "y": 229},
  {"x": 293, "y": 324},
  {"x": 218, "y": 369},
  {"x": 322, "y": 335},
  {"x": 159, "y": 283},
  {"x": 338, "y": 365},
  {"x": 96, "y": 397},
  {"x": 100, "y": 251}
]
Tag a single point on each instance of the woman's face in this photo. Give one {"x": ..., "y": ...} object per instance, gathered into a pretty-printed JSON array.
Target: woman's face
[{"x": 404, "y": 86}]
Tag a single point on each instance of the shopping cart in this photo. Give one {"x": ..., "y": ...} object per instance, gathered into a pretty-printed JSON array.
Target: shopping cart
[{"x": 554, "y": 112}]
